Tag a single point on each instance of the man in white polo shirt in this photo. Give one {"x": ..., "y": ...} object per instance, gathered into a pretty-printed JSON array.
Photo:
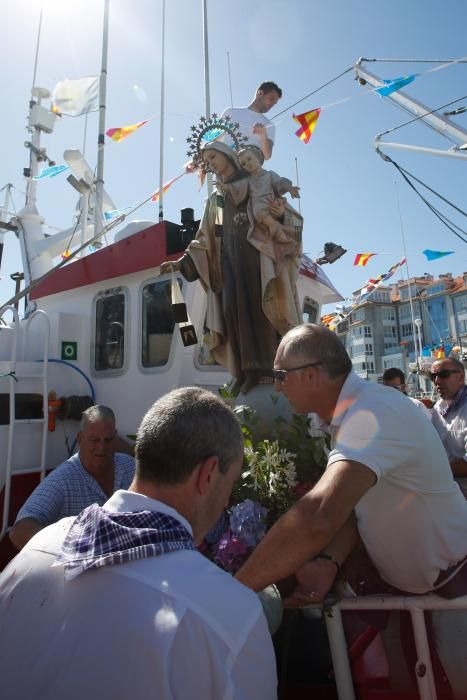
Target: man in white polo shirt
[
  {"x": 118, "y": 603},
  {"x": 387, "y": 481},
  {"x": 257, "y": 128}
]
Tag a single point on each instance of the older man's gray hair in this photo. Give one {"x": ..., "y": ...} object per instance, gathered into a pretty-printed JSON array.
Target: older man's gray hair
[
  {"x": 97, "y": 413},
  {"x": 312, "y": 343}
]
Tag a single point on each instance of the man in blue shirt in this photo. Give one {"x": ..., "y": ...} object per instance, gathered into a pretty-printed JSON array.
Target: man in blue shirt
[{"x": 90, "y": 476}]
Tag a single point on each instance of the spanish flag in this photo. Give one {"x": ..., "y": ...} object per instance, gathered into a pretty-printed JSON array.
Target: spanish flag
[
  {"x": 362, "y": 258},
  {"x": 122, "y": 132},
  {"x": 307, "y": 122}
]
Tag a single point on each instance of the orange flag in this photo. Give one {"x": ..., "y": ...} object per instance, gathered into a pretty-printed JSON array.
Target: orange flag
[
  {"x": 122, "y": 132},
  {"x": 307, "y": 122},
  {"x": 156, "y": 196}
]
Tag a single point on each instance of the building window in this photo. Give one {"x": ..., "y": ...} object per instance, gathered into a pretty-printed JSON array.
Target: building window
[
  {"x": 406, "y": 329},
  {"x": 369, "y": 347},
  {"x": 109, "y": 336},
  {"x": 358, "y": 315},
  {"x": 367, "y": 331},
  {"x": 389, "y": 315},
  {"x": 460, "y": 304},
  {"x": 157, "y": 323},
  {"x": 389, "y": 331}
]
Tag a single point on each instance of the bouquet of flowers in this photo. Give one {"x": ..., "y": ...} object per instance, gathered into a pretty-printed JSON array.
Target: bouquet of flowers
[{"x": 276, "y": 472}]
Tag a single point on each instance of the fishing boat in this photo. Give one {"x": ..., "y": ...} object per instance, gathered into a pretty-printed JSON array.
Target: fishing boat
[
  {"x": 98, "y": 323},
  {"x": 98, "y": 327}
]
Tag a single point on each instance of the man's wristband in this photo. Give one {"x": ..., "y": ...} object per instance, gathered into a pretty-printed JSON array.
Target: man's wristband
[{"x": 329, "y": 558}]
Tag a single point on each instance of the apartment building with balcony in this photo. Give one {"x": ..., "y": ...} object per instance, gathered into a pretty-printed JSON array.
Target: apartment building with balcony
[{"x": 379, "y": 333}]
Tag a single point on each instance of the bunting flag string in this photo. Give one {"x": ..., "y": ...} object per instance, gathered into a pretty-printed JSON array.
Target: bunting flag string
[
  {"x": 361, "y": 259},
  {"x": 156, "y": 196},
  {"x": 121, "y": 132},
  {"x": 307, "y": 121},
  {"x": 109, "y": 215},
  {"x": 364, "y": 292}
]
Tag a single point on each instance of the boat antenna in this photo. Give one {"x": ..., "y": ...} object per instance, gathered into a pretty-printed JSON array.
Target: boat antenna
[
  {"x": 207, "y": 94},
  {"x": 38, "y": 41},
  {"x": 298, "y": 184},
  {"x": 417, "y": 359},
  {"x": 230, "y": 78},
  {"x": 101, "y": 136},
  {"x": 161, "y": 145}
]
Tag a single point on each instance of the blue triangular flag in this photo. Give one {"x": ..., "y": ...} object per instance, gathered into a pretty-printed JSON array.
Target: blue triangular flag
[
  {"x": 394, "y": 84},
  {"x": 52, "y": 171},
  {"x": 435, "y": 254}
]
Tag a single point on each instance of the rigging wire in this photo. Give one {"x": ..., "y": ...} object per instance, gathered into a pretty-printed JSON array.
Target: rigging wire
[
  {"x": 421, "y": 116},
  {"x": 420, "y": 182},
  {"x": 442, "y": 217},
  {"x": 412, "y": 60},
  {"x": 312, "y": 93},
  {"x": 401, "y": 223}
]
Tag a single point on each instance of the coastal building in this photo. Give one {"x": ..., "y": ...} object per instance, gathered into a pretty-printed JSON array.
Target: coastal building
[{"x": 379, "y": 333}]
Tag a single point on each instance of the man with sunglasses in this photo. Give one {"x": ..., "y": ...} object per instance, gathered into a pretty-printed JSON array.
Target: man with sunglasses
[
  {"x": 450, "y": 414},
  {"x": 387, "y": 484}
]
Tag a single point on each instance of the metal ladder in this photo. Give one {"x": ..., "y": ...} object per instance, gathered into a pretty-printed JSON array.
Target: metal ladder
[{"x": 13, "y": 371}]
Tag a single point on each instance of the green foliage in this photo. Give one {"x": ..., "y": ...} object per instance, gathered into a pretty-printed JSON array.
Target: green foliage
[{"x": 278, "y": 469}]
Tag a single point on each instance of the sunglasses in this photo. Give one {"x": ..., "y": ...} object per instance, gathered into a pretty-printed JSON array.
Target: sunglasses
[
  {"x": 443, "y": 374},
  {"x": 280, "y": 375}
]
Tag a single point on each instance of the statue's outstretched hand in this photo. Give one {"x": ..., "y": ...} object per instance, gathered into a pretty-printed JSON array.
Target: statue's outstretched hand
[
  {"x": 171, "y": 266},
  {"x": 277, "y": 208},
  {"x": 315, "y": 578}
]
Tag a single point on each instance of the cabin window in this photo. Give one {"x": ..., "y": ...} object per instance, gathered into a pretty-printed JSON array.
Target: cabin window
[
  {"x": 158, "y": 323},
  {"x": 109, "y": 345},
  {"x": 310, "y": 310}
]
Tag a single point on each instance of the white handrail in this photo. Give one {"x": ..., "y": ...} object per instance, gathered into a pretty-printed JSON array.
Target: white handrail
[
  {"x": 12, "y": 404},
  {"x": 45, "y": 387},
  {"x": 11, "y": 426},
  {"x": 416, "y": 605}
]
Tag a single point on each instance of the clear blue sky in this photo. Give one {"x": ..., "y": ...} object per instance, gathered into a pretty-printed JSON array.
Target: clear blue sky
[{"x": 349, "y": 195}]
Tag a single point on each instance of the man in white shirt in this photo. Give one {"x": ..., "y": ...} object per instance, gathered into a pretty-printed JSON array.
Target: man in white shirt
[
  {"x": 117, "y": 603},
  {"x": 257, "y": 128},
  {"x": 387, "y": 482},
  {"x": 450, "y": 414}
]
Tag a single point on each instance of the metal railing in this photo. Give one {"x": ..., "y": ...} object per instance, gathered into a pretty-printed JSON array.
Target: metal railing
[{"x": 415, "y": 605}]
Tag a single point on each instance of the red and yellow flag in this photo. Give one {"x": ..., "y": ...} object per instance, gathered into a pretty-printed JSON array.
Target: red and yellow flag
[
  {"x": 122, "y": 132},
  {"x": 156, "y": 196},
  {"x": 362, "y": 258},
  {"x": 307, "y": 122},
  {"x": 327, "y": 319}
]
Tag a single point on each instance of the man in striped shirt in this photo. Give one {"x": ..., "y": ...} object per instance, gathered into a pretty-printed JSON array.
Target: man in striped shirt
[{"x": 89, "y": 476}]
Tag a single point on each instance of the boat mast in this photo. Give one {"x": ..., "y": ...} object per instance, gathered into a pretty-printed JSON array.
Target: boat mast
[
  {"x": 207, "y": 94},
  {"x": 161, "y": 133},
  {"x": 101, "y": 136}
]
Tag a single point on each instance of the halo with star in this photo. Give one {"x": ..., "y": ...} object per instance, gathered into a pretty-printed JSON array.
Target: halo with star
[{"x": 210, "y": 129}]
